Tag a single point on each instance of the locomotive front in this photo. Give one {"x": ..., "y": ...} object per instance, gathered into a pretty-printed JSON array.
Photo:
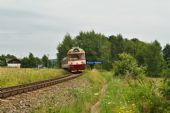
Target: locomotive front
[{"x": 76, "y": 59}]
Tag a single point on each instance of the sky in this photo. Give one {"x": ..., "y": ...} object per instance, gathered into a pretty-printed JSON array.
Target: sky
[{"x": 38, "y": 26}]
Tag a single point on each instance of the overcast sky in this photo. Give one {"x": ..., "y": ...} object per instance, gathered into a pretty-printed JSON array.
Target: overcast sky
[{"x": 38, "y": 26}]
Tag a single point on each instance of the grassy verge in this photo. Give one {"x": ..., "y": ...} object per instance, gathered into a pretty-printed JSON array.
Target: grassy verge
[
  {"x": 84, "y": 96},
  {"x": 87, "y": 97},
  {"x": 132, "y": 96},
  {"x": 14, "y": 76}
]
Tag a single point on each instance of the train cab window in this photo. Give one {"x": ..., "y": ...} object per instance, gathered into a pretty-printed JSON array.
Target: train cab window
[
  {"x": 82, "y": 56},
  {"x": 77, "y": 56}
]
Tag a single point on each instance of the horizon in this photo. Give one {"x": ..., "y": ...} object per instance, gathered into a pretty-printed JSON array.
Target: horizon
[{"x": 73, "y": 38}]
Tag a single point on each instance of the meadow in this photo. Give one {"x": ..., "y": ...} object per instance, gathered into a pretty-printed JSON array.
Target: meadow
[{"x": 17, "y": 76}]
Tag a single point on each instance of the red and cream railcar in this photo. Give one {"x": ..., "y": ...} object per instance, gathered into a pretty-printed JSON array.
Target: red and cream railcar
[{"x": 75, "y": 60}]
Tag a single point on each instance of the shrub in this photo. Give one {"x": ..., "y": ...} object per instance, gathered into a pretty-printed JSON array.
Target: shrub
[
  {"x": 127, "y": 65},
  {"x": 166, "y": 83}
]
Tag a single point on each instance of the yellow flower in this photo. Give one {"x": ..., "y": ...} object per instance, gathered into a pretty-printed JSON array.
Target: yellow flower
[{"x": 133, "y": 104}]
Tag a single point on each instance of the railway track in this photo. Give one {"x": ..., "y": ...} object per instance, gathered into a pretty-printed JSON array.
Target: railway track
[{"x": 15, "y": 90}]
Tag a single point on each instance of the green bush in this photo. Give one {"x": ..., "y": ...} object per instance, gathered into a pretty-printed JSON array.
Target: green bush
[
  {"x": 127, "y": 65},
  {"x": 166, "y": 83}
]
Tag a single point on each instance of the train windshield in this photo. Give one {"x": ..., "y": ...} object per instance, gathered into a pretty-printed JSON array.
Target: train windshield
[{"x": 77, "y": 56}]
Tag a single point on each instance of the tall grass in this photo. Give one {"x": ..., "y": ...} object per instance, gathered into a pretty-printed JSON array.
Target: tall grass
[
  {"x": 15, "y": 76},
  {"x": 132, "y": 96}
]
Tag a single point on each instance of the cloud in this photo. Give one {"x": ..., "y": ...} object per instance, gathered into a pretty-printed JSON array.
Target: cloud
[{"x": 38, "y": 26}]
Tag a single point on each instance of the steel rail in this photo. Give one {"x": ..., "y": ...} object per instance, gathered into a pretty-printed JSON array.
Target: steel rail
[
  {"x": 15, "y": 90},
  {"x": 33, "y": 83}
]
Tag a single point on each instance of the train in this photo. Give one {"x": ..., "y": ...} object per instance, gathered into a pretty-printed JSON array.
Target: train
[{"x": 75, "y": 61}]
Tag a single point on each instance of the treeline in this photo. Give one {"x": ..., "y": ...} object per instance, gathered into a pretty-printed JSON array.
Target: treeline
[
  {"x": 30, "y": 62},
  {"x": 3, "y": 59},
  {"x": 100, "y": 47}
]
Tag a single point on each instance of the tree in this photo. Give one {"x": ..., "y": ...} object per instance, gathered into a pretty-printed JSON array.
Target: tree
[
  {"x": 38, "y": 61},
  {"x": 166, "y": 55},
  {"x": 45, "y": 61},
  {"x": 8, "y": 56},
  {"x": 32, "y": 61},
  {"x": 2, "y": 60},
  {"x": 29, "y": 62},
  {"x": 153, "y": 59},
  {"x": 166, "y": 52},
  {"x": 25, "y": 62},
  {"x": 117, "y": 46},
  {"x": 63, "y": 48},
  {"x": 96, "y": 46}
]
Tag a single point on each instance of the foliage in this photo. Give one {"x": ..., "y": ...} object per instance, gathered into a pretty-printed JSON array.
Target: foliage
[
  {"x": 96, "y": 45},
  {"x": 2, "y": 60},
  {"x": 8, "y": 56},
  {"x": 33, "y": 62},
  {"x": 127, "y": 65},
  {"x": 132, "y": 96},
  {"x": 29, "y": 62},
  {"x": 166, "y": 83},
  {"x": 93, "y": 43},
  {"x": 63, "y": 48},
  {"x": 38, "y": 61},
  {"x": 100, "y": 47},
  {"x": 166, "y": 88},
  {"x": 146, "y": 54},
  {"x": 45, "y": 61},
  {"x": 154, "y": 59},
  {"x": 166, "y": 52},
  {"x": 25, "y": 62},
  {"x": 117, "y": 46}
]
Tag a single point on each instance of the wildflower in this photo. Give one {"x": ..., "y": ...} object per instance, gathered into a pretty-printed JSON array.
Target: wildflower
[
  {"x": 109, "y": 103},
  {"x": 96, "y": 94},
  {"x": 133, "y": 104}
]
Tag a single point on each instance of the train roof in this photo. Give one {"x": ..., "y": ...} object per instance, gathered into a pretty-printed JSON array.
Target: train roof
[{"x": 76, "y": 50}]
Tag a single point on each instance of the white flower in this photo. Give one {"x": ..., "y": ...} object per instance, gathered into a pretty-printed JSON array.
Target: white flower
[
  {"x": 109, "y": 103},
  {"x": 96, "y": 94}
]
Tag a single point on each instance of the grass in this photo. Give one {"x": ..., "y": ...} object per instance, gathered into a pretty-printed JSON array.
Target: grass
[
  {"x": 84, "y": 97},
  {"x": 16, "y": 76},
  {"x": 132, "y": 96},
  {"x": 88, "y": 96},
  {"x": 123, "y": 95}
]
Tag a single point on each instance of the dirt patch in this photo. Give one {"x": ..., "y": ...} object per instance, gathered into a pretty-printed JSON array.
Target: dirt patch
[{"x": 31, "y": 101}]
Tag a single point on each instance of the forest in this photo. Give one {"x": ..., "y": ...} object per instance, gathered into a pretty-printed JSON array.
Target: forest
[{"x": 151, "y": 56}]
